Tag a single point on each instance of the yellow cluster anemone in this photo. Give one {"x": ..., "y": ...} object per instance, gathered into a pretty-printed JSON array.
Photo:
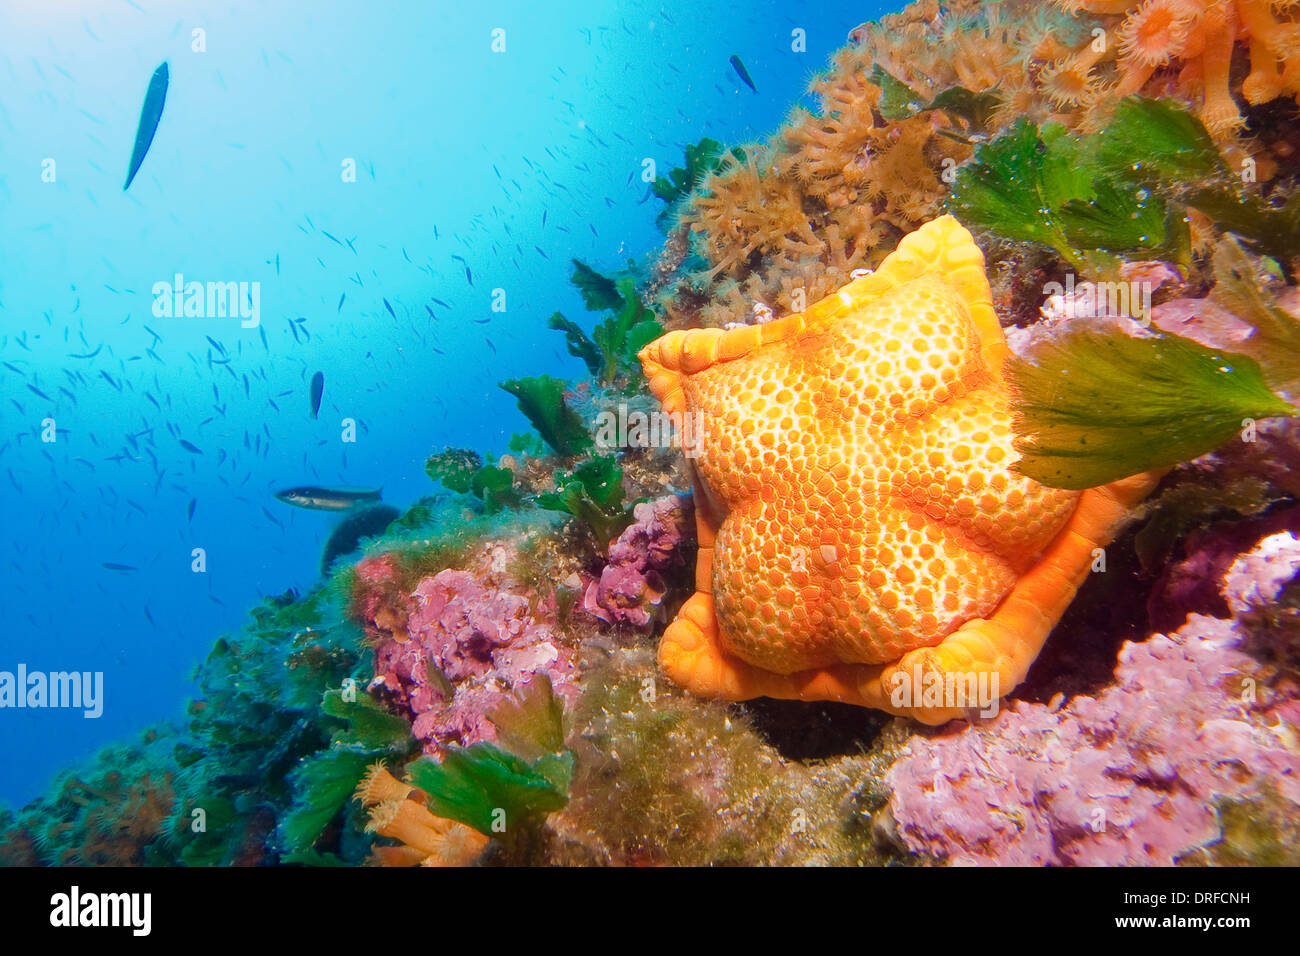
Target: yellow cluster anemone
[{"x": 397, "y": 811}]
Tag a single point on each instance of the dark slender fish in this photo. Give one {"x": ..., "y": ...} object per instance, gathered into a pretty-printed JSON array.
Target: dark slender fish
[
  {"x": 742, "y": 72},
  {"x": 87, "y": 355},
  {"x": 192, "y": 449},
  {"x": 389, "y": 307},
  {"x": 112, "y": 566},
  {"x": 150, "y": 114},
  {"x": 341, "y": 298},
  {"x": 190, "y": 511},
  {"x": 37, "y": 391},
  {"x": 317, "y": 390},
  {"x": 330, "y": 237}
]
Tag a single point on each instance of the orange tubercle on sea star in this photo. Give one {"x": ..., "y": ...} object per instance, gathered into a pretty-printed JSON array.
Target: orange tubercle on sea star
[{"x": 857, "y": 512}]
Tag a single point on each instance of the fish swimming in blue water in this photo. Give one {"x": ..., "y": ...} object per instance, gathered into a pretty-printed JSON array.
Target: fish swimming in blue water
[
  {"x": 150, "y": 114},
  {"x": 327, "y": 499},
  {"x": 317, "y": 390},
  {"x": 742, "y": 72}
]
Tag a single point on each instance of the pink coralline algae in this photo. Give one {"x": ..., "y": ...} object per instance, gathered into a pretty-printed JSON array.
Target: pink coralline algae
[
  {"x": 377, "y": 598},
  {"x": 1132, "y": 776},
  {"x": 468, "y": 643},
  {"x": 631, "y": 585}
]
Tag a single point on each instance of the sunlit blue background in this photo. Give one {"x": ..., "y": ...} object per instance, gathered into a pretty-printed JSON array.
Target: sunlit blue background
[{"x": 246, "y": 167}]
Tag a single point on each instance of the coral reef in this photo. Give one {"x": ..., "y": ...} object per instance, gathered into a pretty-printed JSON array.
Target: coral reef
[
  {"x": 491, "y": 649},
  {"x": 1133, "y": 775}
]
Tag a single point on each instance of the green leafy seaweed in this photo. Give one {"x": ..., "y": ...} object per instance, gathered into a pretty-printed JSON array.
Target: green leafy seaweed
[
  {"x": 1277, "y": 332},
  {"x": 322, "y": 786},
  {"x": 625, "y": 333},
  {"x": 579, "y": 344},
  {"x": 1120, "y": 191},
  {"x": 599, "y": 292},
  {"x": 454, "y": 468},
  {"x": 541, "y": 399},
  {"x": 531, "y": 723},
  {"x": 370, "y": 726},
  {"x": 702, "y": 159},
  {"x": 1092, "y": 407},
  {"x": 592, "y": 493},
  {"x": 475, "y": 785},
  {"x": 463, "y": 471},
  {"x": 1046, "y": 186}
]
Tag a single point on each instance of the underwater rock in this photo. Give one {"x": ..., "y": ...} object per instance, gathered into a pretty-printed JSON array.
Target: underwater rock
[
  {"x": 355, "y": 528},
  {"x": 1188, "y": 585},
  {"x": 1132, "y": 776},
  {"x": 465, "y": 644},
  {"x": 631, "y": 585}
]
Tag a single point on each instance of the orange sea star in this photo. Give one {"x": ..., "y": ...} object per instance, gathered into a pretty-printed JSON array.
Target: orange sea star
[{"x": 858, "y": 517}]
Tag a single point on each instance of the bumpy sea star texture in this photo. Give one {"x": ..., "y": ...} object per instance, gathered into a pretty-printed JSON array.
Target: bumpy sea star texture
[
  {"x": 631, "y": 584},
  {"x": 857, "y": 512},
  {"x": 1132, "y": 776},
  {"x": 467, "y": 642}
]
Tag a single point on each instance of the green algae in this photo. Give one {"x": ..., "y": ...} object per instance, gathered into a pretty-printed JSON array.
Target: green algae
[
  {"x": 1094, "y": 406},
  {"x": 1185, "y": 507},
  {"x": 1256, "y": 830},
  {"x": 464, "y": 472},
  {"x": 1122, "y": 191},
  {"x": 323, "y": 784},
  {"x": 1043, "y": 185},
  {"x": 1276, "y": 338},
  {"x": 487, "y": 788},
  {"x": 665, "y": 778},
  {"x": 610, "y": 353},
  {"x": 578, "y": 342},
  {"x": 592, "y": 493},
  {"x": 531, "y": 724},
  {"x": 701, "y": 159},
  {"x": 599, "y": 292},
  {"x": 622, "y": 335},
  {"x": 541, "y": 399},
  {"x": 898, "y": 101}
]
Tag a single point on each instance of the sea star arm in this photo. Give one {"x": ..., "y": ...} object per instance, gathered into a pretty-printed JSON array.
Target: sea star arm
[{"x": 1006, "y": 643}]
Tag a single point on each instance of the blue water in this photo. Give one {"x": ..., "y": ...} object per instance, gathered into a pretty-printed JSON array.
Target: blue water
[{"x": 246, "y": 171}]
